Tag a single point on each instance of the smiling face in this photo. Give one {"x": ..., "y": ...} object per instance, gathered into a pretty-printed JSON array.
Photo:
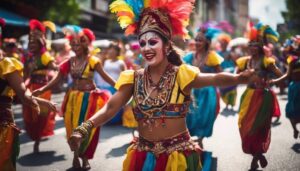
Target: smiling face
[
  {"x": 200, "y": 42},
  {"x": 79, "y": 45},
  {"x": 152, "y": 48},
  {"x": 35, "y": 42}
]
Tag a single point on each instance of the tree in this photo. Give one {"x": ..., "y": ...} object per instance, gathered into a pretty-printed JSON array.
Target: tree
[{"x": 292, "y": 16}]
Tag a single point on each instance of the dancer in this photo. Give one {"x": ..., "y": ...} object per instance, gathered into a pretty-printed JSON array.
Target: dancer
[
  {"x": 228, "y": 94},
  {"x": 11, "y": 83},
  {"x": 205, "y": 101},
  {"x": 258, "y": 102},
  {"x": 82, "y": 99},
  {"x": 36, "y": 69},
  {"x": 292, "y": 110},
  {"x": 160, "y": 91}
]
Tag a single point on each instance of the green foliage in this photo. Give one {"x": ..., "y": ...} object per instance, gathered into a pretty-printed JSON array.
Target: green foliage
[
  {"x": 63, "y": 11},
  {"x": 292, "y": 15}
]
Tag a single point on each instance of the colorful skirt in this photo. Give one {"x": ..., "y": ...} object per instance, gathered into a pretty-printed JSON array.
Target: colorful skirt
[
  {"x": 176, "y": 153},
  {"x": 203, "y": 111},
  {"x": 293, "y": 105},
  {"x": 79, "y": 106},
  {"x": 9, "y": 146},
  {"x": 39, "y": 125},
  {"x": 228, "y": 95},
  {"x": 255, "y": 115}
]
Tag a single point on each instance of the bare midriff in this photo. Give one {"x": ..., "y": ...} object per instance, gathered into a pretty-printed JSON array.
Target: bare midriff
[
  {"x": 84, "y": 84},
  {"x": 157, "y": 131}
]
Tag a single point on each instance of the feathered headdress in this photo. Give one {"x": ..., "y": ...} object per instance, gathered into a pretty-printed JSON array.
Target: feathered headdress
[
  {"x": 224, "y": 37},
  {"x": 262, "y": 34},
  {"x": 71, "y": 30},
  {"x": 209, "y": 32},
  {"x": 36, "y": 25},
  {"x": 167, "y": 17}
]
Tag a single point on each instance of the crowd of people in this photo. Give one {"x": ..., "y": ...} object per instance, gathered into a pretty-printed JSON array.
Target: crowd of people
[{"x": 166, "y": 94}]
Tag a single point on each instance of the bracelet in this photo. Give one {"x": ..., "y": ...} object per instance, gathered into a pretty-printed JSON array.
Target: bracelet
[{"x": 85, "y": 128}]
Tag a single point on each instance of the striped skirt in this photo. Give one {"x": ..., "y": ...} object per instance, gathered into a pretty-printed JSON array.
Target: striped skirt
[
  {"x": 39, "y": 125},
  {"x": 179, "y": 153},
  {"x": 77, "y": 107},
  {"x": 255, "y": 115}
]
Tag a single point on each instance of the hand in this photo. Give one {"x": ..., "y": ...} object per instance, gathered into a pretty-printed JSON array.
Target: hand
[
  {"x": 37, "y": 92},
  {"x": 49, "y": 105},
  {"x": 246, "y": 76},
  {"x": 75, "y": 141}
]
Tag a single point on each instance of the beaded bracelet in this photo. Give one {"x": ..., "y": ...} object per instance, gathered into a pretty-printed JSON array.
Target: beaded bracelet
[{"x": 84, "y": 129}]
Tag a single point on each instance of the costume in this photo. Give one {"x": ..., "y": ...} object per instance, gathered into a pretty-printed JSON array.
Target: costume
[
  {"x": 205, "y": 101},
  {"x": 80, "y": 103},
  {"x": 293, "y": 105},
  {"x": 228, "y": 94},
  {"x": 173, "y": 152},
  {"x": 9, "y": 133},
  {"x": 39, "y": 125},
  {"x": 178, "y": 152},
  {"x": 258, "y": 103}
]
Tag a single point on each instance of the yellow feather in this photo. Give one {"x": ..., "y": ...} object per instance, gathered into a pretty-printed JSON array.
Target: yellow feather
[
  {"x": 125, "y": 21},
  {"x": 146, "y": 3},
  {"x": 50, "y": 25}
]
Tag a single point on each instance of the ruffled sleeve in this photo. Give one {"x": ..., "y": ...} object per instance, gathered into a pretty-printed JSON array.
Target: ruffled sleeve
[
  {"x": 9, "y": 65},
  {"x": 126, "y": 77},
  {"x": 214, "y": 59},
  {"x": 93, "y": 61},
  {"x": 186, "y": 74},
  {"x": 268, "y": 61},
  {"x": 46, "y": 58},
  {"x": 241, "y": 62}
]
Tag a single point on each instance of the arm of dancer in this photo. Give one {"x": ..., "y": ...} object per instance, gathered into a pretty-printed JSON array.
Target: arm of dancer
[
  {"x": 220, "y": 79},
  {"x": 48, "y": 86},
  {"x": 16, "y": 83},
  {"x": 283, "y": 77}
]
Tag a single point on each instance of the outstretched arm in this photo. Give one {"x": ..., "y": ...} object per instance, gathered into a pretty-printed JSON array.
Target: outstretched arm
[
  {"x": 104, "y": 75},
  {"x": 221, "y": 79}
]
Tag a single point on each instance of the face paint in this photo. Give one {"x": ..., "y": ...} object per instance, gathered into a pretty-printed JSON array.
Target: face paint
[{"x": 152, "y": 48}]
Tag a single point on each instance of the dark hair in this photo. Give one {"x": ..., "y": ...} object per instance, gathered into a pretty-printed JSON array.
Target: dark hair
[
  {"x": 207, "y": 42},
  {"x": 116, "y": 47}
]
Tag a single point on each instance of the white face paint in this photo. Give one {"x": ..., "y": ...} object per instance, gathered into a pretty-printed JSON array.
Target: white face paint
[{"x": 152, "y": 48}]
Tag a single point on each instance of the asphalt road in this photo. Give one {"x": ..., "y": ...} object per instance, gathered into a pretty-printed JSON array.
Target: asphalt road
[{"x": 225, "y": 145}]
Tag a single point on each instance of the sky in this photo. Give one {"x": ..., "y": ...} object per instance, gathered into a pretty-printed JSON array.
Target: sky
[{"x": 267, "y": 11}]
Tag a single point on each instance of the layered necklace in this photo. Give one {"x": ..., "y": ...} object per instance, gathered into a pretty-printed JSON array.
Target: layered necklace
[{"x": 78, "y": 67}]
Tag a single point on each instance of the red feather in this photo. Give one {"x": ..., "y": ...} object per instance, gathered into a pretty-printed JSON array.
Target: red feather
[
  {"x": 35, "y": 24},
  {"x": 89, "y": 33}
]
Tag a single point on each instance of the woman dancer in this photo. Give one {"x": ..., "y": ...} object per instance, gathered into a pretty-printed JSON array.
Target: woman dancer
[
  {"x": 11, "y": 82},
  {"x": 82, "y": 99},
  {"x": 292, "y": 110},
  {"x": 161, "y": 90},
  {"x": 36, "y": 69},
  {"x": 258, "y": 102},
  {"x": 205, "y": 101}
]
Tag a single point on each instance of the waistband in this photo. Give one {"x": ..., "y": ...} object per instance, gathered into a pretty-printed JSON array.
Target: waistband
[{"x": 180, "y": 142}]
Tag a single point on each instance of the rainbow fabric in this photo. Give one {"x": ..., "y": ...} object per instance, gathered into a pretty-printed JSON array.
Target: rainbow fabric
[
  {"x": 255, "y": 114},
  {"x": 77, "y": 107}
]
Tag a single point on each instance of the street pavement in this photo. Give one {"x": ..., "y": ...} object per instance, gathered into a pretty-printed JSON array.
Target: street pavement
[{"x": 225, "y": 145}]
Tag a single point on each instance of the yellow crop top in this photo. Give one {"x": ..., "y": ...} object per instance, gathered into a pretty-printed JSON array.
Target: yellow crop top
[{"x": 242, "y": 61}]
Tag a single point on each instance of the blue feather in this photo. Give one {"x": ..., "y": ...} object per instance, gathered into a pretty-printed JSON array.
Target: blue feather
[{"x": 137, "y": 7}]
